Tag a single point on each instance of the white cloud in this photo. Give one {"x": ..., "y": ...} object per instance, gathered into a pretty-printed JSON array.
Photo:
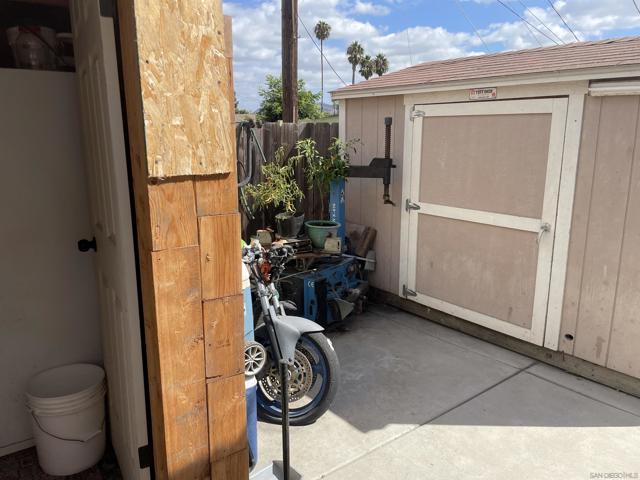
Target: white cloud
[
  {"x": 368, "y": 8},
  {"x": 256, "y": 37}
]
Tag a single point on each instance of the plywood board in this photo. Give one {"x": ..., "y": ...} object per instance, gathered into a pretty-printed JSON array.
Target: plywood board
[
  {"x": 223, "y": 336},
  {"x": 184, "y": 78},
  {"x": 227, "y": 416},
  {"x": 220, "y": 255},
  {"x": 218, "y": 194}
]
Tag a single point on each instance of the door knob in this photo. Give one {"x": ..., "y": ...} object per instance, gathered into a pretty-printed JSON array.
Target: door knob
[{"x": 85, "y": 245}]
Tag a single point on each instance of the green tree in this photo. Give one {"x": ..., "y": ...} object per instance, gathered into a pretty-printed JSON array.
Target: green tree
[
  {"x": 322, "y": 31},
  {"x": 355, "y": 52},
  {"x": 271, "y": 105},
  {"x": 366, "y": 67},
  {"x": 380, "y": 64}
]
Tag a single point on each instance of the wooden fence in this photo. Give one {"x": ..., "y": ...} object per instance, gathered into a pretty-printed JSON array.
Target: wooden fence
[{"x": 272, "y": 136}]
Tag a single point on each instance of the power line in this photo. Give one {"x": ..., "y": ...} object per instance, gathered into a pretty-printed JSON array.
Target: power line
[
  {"x": 321, "y": 52},
  {"x": 532, "y": 35},
  {"x": 565, "y": 23},
  {"x": 472, "y": 25},
  {"x": 409, "y": 47},
  {"x": 636, "y": 5},
  {"x": 524, "y": 20},
  {"x": 527, "y": 9}
]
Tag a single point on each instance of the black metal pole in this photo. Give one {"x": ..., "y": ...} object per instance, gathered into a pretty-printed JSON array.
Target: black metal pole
[{"x": 284, "y": 383}]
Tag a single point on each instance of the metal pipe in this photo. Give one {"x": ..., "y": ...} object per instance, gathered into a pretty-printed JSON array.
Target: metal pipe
[
  {"x": 387, "y": 137},
  {"x": 284, "y": 383}
]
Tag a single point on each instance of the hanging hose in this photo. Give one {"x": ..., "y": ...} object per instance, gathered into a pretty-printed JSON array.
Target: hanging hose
[
  {"x": 244, "y": 201},
  {"x": 246, "y": 167},
  {"x": 245, "y": 126}
]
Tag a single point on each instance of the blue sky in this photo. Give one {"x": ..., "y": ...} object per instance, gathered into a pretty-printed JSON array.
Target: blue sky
[{"x": 409, "y": 32}]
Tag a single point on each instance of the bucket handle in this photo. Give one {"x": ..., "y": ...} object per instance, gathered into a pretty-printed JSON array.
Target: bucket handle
[{"x": 81, "y": 440}]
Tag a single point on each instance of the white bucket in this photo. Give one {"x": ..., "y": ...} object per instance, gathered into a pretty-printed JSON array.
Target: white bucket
[{"x": 67, "y": 417}]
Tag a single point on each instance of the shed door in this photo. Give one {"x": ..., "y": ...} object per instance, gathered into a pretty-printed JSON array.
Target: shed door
[
  {"x": 484, "y": 189},
  {"x": 97, "y": 72}
]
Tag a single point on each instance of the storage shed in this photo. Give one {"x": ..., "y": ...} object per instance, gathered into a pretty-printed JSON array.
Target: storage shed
[{"x": 517, "y": 192}]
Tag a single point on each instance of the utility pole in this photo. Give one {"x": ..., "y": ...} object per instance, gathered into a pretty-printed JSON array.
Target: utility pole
[{"x": 290, "y": 60}]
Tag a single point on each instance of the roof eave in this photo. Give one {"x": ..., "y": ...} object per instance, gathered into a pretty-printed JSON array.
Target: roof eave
[{"x": 596, "y": 73}]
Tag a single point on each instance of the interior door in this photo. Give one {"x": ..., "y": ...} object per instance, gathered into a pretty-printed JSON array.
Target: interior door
[
  {"x": 482, "y": 210},
  {"x": 97, "y": 74}
]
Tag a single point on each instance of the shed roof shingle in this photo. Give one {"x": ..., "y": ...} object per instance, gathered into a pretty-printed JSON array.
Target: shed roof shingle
[{"x": 561, "y": 58}]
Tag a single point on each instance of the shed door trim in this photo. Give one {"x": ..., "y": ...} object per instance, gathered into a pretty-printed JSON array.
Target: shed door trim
[
  {"x": 573, "y": 133},
  {"x": 557, "y": 107}
]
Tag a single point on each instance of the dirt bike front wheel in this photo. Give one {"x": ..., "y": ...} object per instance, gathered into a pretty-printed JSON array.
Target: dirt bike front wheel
[{"x": 313, "y": 383}]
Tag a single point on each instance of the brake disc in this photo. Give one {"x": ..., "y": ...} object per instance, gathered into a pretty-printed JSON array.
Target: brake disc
[{"x": 300, "y": 379}]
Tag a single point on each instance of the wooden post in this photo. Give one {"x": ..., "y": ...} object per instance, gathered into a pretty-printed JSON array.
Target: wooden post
[
  {"x": 290, "y": 60},
  {"x": 188, "y": 233}
]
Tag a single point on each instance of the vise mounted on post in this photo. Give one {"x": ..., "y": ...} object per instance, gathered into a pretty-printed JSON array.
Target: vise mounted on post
[{"x": 378, "y": 167}]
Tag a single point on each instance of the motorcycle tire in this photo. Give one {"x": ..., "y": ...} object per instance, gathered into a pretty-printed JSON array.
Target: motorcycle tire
[{"x": 269, "y": 410}]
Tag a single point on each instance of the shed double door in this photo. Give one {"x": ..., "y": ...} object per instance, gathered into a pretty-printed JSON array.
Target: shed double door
[
  {"x": 482, "y": 210},
  {"x": 101, "y": 113}
]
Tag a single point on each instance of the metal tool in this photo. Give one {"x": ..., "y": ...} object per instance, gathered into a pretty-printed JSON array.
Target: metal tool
[{"x": 377, "y": 168}]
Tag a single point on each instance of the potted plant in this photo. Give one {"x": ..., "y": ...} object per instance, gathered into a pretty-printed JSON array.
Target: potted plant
[
  {"x": 279, "y": 190},
  {"x": 321, "y": 172}
]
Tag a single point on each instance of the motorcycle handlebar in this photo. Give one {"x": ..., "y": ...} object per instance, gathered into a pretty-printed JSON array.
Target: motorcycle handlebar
[
  {"x": 277, "y": 254},
  {"x": 276, "y": 257}
]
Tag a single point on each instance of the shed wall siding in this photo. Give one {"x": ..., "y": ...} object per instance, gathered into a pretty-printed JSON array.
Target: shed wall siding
[
  {"x": 603, "y": 273},
  {"x": 364, "y": 205}
]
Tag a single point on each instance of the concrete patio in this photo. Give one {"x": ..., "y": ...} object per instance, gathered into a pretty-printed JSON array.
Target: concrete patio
[{"x": 421, "y": 401}]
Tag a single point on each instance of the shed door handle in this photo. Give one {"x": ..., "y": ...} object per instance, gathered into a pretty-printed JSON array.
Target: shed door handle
[{"x": 544, "y": 228}]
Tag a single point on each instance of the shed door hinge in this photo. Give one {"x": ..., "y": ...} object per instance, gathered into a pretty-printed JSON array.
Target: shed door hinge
[
  {"x": 409, "y": 205},
  {"x": 417, "y": 113},
  {"x": 406, "y": 292},
  {"x": 145, "y": 456}
]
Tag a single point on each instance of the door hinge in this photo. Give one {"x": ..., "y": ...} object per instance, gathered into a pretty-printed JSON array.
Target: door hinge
[
  {"x": 409, "y": 205},
  {"x": 145, "y": 456},
  {"x": 406, "y": 292},
  {"x": 416, "y": 114}
]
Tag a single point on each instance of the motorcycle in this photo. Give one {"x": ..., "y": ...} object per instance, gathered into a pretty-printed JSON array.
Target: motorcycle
[{"x": 281, "y": 339}]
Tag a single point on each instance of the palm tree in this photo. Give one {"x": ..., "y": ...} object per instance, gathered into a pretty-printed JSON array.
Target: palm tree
[
  {"x": 366, "y": 67},
  {"x": 322, "y": 31},
  {"x": 355, "y": 52},
  {"x": 380, "y": 64}
]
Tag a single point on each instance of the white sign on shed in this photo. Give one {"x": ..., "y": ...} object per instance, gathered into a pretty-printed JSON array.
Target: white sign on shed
[{"x": 487, "y": 93}]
